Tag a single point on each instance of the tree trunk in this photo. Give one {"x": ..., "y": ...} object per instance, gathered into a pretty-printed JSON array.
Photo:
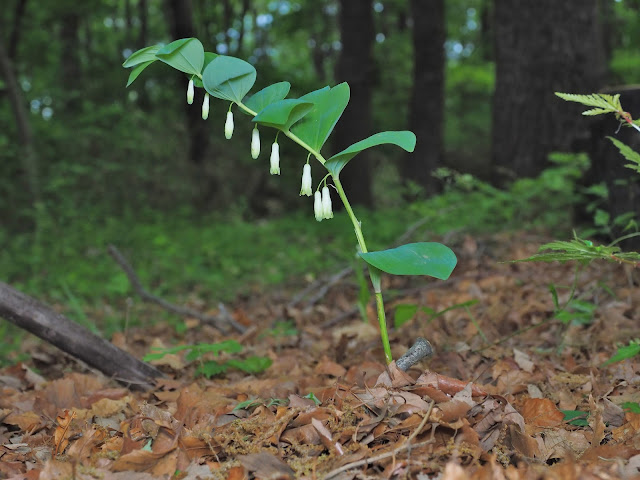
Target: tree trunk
[
  {"x": 143, "y": 14},
  {"x": 23, "y": 126},
  {"x": 541, "y": 47},
  {"x": 70, "y": 60},
  {"x": 355, "y": 66},
  {"x": 181, "y": 26},
  {"x": 14, "y": 37},
  {"x": 426, "y": 107}
]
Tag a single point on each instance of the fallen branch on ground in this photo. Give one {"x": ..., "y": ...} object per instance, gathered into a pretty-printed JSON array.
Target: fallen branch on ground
[
  {"x": 219, "y": 322},
  {"x": 74, "y": 339}
]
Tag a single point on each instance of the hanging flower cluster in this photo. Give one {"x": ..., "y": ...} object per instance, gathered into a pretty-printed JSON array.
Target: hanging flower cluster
[
  {"x": 322, "y": 198},
  {"x": 322, "y": 205}
]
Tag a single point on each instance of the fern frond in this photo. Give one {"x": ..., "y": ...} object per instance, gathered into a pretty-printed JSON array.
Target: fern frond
[
  {"x": 595, "y": 111},
  {"x": 605, "y": 103},
  {"x": 576, "y": 249},
  {"x": 628, "y": 153}
]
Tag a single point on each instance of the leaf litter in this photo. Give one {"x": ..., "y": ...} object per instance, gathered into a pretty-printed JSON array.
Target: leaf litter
[{"x": 514, "y": 391}]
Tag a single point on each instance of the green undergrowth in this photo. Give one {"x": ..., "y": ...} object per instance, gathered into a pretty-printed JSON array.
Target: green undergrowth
[{"x": 177, "y": 254}]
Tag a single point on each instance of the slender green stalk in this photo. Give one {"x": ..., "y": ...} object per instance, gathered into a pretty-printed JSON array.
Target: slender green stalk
[{"x": 374, "y": 273}]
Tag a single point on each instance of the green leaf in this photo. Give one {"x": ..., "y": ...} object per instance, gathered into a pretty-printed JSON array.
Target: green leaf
[
  {"x": 577, "y": 418},
  {"x": 625, "y": 352},
  {"x": 404, "y": 139},
  {"x": 211, "y": 369},
  {"x": 328, "y": 105},
  {"x": 311, "y": 396},
  {"x": 426, "y": 258},
  {"x": 208, "y": 58},
  {"x": 249, "y": 403},
  {"x": 186, "y": 55},
  {"x": 605, "y": 103},
  {"x": 228, "y": 78},
  {"x": 632, "y": 407},
  {"x": 144, "y": 55},
  {"x": 253, "y": 364},
  {"x": 198, "y": 350},
  {"x": 137, "y": 71},
  {"x": 404, "y": 312},
  {"x": 284, "y": 113},
  {"x": 268, "y": 95},
  {"x": 628, "y": 153}
]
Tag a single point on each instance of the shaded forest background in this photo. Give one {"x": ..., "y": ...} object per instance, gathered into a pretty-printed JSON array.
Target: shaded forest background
[{"x": 85, "y": 162}]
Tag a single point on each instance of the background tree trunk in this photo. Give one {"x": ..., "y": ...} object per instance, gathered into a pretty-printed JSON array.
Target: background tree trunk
[
  {"x": 23, "y": 126},
  {"x": 180, "y": 13},
  {"x": 426, "y": 106},
  {"x": 541, "y": 47},
  {"x": 70, "y": 59},
  {"x": 355, "y": 66}
]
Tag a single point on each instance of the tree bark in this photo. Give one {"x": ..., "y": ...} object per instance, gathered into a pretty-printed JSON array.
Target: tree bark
[
  {"x": 70, "y": 59},
  {"x": 28, "y": 314},
  {"x": 541, "y": 47},
  {"x": 14, "y": 37},
  {"x": 23, "y": 126},
  {"x": 426, "y": 106},
  {"x": 180, "y": 13},
  {"x": 355, "y": 66}
]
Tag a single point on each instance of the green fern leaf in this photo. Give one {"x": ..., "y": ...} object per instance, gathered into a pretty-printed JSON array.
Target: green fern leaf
[
  {"x": 595, "y": 111},
  {"x": 628, "y": 153},
  {"x": 604, "y": 103}
]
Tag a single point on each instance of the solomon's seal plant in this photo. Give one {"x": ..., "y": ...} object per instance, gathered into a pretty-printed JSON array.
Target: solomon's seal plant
[{"x": 307, "y": 121}]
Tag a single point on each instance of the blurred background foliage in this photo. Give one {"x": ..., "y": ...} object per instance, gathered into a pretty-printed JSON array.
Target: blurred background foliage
[{"x": 100, "y": 164}]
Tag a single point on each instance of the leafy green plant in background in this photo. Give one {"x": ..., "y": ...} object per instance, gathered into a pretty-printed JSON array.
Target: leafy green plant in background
[
  {"x": 210, "y": 368},
  {"x": 584, "y": 251},
  {"x": 307, "y": 121}
]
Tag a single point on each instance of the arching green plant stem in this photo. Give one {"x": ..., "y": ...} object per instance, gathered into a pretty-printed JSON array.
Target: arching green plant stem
[{"x": 374, "y": 273}]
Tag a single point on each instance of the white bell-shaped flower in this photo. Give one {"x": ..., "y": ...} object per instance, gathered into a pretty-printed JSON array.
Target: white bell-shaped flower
[
  {"x": 228, "y": 125},
  {"x": 305, "y": 189},
  {"x": 255, "y": 143},
  {"x": 205, "y": 107},
  {"x": 317, "y": 207},
  {"x": 275, "y": 159},
  {"x": 327, "y": 211},
  {"x": 190, "y": 92}
]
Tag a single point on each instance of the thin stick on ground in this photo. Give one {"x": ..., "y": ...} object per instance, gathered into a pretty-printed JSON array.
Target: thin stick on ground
[
  {"x": 406, "y": 446},
  {"x": 218, "y": 322}
]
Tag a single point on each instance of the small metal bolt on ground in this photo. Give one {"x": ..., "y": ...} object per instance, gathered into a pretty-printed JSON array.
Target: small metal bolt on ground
[{"x": 420, "y": 350}]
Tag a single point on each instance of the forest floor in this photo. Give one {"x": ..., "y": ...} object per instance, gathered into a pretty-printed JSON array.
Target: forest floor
[{"x": 497, "y": 400}]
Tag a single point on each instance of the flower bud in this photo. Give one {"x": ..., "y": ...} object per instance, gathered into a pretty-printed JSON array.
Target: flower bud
[
  {"x": 228, "y": 125},
  {"x": 305, "y": 189},
  {"x": 317, "y": 206},
  {"x": 205, "y": 107},
  {"x": 190, "y": 92},
  {"x": 255, "y": 143},
  {"x": 275, "y": 159},
  {"x": 327, "y": 212}
]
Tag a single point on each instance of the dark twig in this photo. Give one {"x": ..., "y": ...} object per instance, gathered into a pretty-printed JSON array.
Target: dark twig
[{"x": 217, "y": 322}]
